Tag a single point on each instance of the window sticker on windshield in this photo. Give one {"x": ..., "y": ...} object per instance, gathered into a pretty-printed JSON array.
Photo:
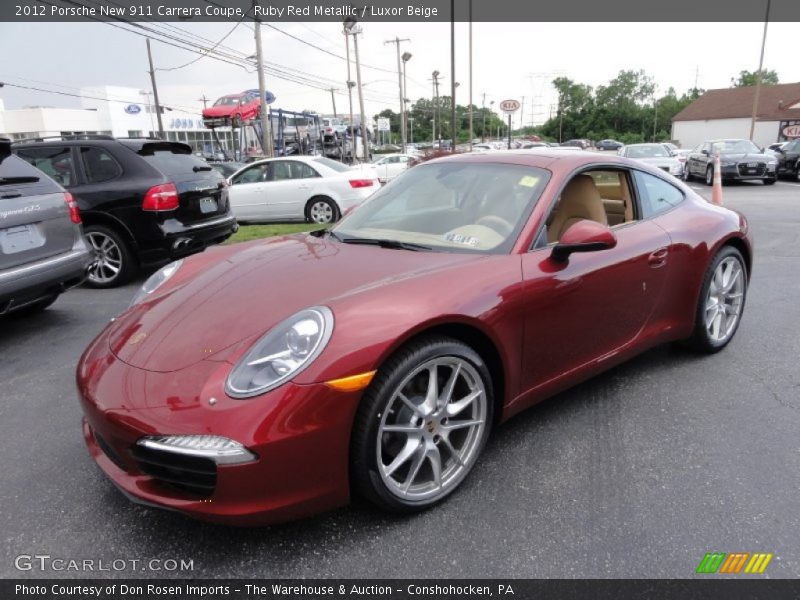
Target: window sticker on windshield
[
  {"x": 457, "y": 238},
  {"x": 529, "y": 181}
]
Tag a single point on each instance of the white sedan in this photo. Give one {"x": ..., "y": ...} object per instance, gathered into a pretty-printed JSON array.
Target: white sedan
[
  {"x": 390, "y": 166},
  {"x": 303, "y": 188}
]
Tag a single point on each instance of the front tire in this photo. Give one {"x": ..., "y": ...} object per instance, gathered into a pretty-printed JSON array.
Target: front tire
[
  {"x": 721, "y": 302},
  {"x": 770, "y": 181},
  {"x": 421, "y": 425},
  {"x": 115, "y": 262},
  {"x": 710, "y": 175}
]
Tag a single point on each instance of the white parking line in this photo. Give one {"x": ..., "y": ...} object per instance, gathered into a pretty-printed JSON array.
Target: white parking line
[{"x": 788, "y": 183}]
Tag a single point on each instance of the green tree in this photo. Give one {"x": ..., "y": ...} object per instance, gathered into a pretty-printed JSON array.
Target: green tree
[{"x": 748, "y": 78}]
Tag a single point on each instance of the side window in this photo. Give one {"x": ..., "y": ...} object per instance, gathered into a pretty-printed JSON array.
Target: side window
[
  {"x": 304, "y": 171},
  {"x": 656, "y": 194},
  {"x": 56, "y": 162},
  {"x": 99, "y": 165},
  {"x": 254, "y": 174},
  {"x": 281, "y": 170}
]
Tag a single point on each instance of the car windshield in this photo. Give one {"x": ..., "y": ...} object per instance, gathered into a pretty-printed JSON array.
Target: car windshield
[
  {"x": 736, "y": 147},
  {"x": 456, "y": 207},
  {"x": 227, "y": 101},
  {"x": 332, "y": 164},
  {"x": 646, "y": 152}
]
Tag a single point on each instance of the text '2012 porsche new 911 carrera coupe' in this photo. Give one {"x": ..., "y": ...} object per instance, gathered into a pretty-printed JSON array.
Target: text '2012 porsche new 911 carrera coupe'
[{"x": 266, "y": 381}]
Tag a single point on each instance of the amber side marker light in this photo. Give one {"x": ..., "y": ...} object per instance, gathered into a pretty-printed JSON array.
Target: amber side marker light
[{"x": 352, "y": 383}]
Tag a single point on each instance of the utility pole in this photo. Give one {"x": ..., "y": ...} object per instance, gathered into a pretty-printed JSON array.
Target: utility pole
[
  {"x": 483, "y": 110},
  {"x": 758, "y": 75},
  {"x": 471, "y": 134},
  {"x": 396, "y": 41},
  {"x": 266, "y": 138},
  {"x": 437, "y": 120},
  {"x": 204, "y": 100},
  {"x": 350, "y": 25},
  {"x": 406, "y": 57},
  {"x": 155, "y": 90},
  {"x": 522, "y": 114},
  {"x": 453, "y": 128},
  {"x": 333, "y": 101},
  {"x": 350, "y": 85}
]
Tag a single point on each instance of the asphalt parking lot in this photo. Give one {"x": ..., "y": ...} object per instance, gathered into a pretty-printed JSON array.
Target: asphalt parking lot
[{"x": 636, "y": 473}]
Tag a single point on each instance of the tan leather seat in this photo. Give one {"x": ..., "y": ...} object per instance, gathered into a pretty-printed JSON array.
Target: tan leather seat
[{"x": 579, "y": 200}]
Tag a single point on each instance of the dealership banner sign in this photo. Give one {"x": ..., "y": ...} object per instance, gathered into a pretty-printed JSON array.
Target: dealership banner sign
[{"x": 789, "y": 130}]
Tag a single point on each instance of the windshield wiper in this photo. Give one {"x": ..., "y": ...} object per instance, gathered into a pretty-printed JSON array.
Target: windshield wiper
[
  {"x": 393, "y": 244},
  {"x": 13, "y": 180}
]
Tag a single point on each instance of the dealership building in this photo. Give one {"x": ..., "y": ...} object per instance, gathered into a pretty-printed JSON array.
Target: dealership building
[
  {"x": 110, "y": 110},
  {"x": 727, "y": 113}
]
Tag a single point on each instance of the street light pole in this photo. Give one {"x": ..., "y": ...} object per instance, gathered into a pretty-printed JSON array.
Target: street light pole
[
  {"x": 471, "y": 134},
  {"x": 453, "y": 74},
  {"x": 758, "y": 76},
  {"x": 406, "y": 57},
  {"x": 396, "y": 41}
]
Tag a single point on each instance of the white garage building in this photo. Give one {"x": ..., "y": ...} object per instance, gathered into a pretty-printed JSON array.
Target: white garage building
[{"x": 726, "y": 113}]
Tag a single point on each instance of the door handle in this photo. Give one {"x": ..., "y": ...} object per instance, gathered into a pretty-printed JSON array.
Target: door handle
[{"x": 658, "y": 258}]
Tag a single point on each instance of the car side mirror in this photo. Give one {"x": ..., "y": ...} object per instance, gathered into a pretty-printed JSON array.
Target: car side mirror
[
  {"x": 704, "y": 152},
  {"x": 583, "y": 236}
]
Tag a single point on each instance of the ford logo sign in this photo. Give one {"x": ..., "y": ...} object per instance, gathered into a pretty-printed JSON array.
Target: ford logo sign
[{"x": 133, "y": 109}]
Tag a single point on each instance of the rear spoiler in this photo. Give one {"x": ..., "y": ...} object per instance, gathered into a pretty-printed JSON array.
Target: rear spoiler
[
  {"x": 149, "y": 148},
  {"x": 5, "y": 148}
]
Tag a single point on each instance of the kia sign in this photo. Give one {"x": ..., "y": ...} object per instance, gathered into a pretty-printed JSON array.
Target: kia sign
[
  {"x": 133, "y": 109},
  {"x": 509, "y": 106},
  {"x": 791, "y": 131}
]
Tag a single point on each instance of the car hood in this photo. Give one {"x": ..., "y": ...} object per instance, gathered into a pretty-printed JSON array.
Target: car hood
[
  {"x": 218, "y": 111},
  {"x": 748, "y": 157},
  {"x": 659, "y": 160},
  {"x": 213, "y": 303}
]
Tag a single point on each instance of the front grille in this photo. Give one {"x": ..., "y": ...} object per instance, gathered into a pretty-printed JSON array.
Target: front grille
[
  {"x": 760, "y": 169},
  {"x": 193, "y": 475},
  {"x": 109, "y": 451}
]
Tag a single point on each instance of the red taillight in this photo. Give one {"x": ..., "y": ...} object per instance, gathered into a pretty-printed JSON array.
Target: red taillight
[
  {"x": 161, "y": 197},
  {"x": 359, "y": 183},
  {"x": 74, "y": 212}
]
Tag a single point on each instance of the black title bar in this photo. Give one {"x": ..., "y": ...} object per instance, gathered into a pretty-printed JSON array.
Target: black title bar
[
  {"x": 710, "y": 11},
  {"x": 397, "y": 589}
]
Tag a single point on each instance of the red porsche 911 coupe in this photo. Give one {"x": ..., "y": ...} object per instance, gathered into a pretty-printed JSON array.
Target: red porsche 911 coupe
[{"x": 266, "y": 381}]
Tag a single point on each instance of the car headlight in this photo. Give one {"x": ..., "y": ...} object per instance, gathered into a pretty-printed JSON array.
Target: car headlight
[
  {"x": 284, "y": 352},
  {"x": 156, "y": 280}
]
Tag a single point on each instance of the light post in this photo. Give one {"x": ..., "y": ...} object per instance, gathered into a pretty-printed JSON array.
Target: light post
[
  {"x": 350, "y": 26},
  {"x": 404, "y": 115},
  {"x": 411, "y": 133}
]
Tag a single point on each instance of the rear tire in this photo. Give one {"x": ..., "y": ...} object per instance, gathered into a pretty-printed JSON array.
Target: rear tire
[
  {"x": 722, "y": 298},
  {"x": 322, "y": 210},
  {"x": 116, "y": 263}
]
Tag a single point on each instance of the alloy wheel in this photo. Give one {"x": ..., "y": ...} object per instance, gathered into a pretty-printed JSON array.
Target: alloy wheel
[
  {"x": 321, "y": 212},
  {"x": 709, "y": 176},
  {"x": 724, "y": 300},
  {"x": 431, "y": 429},
  {"x": 108, "y": 255}
]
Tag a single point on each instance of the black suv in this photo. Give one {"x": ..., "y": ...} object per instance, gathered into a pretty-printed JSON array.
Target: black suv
[
  {"x": 789, "y": 160},
  {"x": 143, "y": 201}
]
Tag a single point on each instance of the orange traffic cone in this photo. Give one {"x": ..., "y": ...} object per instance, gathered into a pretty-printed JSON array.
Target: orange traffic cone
[{"x": 716, "y": 189}]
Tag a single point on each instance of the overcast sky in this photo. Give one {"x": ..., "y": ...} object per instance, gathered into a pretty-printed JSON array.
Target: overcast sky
[{"x": 511, "y": 60}]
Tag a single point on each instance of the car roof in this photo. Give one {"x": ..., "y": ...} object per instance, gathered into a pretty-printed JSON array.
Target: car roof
[{"x": 543, "y": 158}]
